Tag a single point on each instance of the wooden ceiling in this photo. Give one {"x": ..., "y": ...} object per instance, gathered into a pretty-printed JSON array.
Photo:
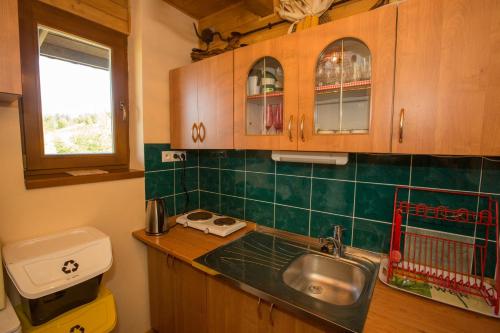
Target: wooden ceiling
[{"x": 200, "y": 9}]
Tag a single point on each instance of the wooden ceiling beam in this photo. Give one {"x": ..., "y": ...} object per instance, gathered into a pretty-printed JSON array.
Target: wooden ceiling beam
[{"x": 260, "y": 7}]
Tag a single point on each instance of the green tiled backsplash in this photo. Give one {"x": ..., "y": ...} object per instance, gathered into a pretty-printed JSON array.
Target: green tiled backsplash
[{"x": 310, "y": 198}]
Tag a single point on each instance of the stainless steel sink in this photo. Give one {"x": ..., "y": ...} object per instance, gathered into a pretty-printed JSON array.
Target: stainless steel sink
[{"x": 336, "y": 281}]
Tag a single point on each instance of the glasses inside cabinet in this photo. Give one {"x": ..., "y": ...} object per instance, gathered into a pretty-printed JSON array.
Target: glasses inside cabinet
[
  {"x": 264, "y": 98},
  {"x": 343, "y": 88}
]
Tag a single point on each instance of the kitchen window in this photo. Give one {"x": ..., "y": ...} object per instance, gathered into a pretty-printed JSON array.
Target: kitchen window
[{"x": 75, "y": 99}]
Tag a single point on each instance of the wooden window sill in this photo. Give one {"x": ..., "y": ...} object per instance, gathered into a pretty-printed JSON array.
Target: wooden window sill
[{"x": 63, "y": 179}]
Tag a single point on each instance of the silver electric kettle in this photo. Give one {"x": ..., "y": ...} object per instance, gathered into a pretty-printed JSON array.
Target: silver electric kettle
[{"x": 156, "y": 217}]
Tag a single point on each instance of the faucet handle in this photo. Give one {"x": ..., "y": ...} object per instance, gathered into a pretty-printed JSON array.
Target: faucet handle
[{"x": 337, "y": 231}]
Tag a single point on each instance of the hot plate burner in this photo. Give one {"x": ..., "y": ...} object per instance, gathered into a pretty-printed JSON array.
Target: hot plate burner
[
  {"x": 224, "y": 221},
  {"x": 199, "y": 216}
]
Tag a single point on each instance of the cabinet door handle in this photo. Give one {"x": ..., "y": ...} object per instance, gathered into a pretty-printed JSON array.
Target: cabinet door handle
[
  {"x": 271, "y": 321},
  {"x": 302, "y": 128},
  {"x": 194, "y": 135},
  {"x": 202, "y": 127},
  {"x": 290, "y": 137},
  {"x": 258, "y": 308},
  {"x": 401, "y": 124}
]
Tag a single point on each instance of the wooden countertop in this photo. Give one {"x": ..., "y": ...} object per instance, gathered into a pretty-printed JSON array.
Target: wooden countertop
[{"x": 390, "y": 309}]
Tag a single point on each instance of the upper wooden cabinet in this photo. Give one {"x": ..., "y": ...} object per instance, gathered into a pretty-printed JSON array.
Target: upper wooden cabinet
[
  {"x": 447, "y": 92},
  {"x": 346, "y": 83},
  {"x": 10, "y": 59},
  {"x": 265, "y": 95},
  {"x": 201, "y": 104},
  {"x": 328, "y": 88}
]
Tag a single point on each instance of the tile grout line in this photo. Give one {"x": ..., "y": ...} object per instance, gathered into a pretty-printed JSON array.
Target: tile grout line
[
  {"x": 275, "y": 190},
  {"x": 354, "y": 197},
  {"x": 175, "y": 201},
  {"x": 409, "y": 191},
  {"x": 310, "y": 199},
  {"x": 478, "y": 199},
  {"x": 245, "y": 187}
]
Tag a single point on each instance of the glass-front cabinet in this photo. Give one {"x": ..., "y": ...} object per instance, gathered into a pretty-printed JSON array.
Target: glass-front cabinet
[
  {"x": 265, "y": 95},
  {"x": 346, "y": 75},
  {"x": 343, "y": 88},
  {"x": 264, "y": 103}
]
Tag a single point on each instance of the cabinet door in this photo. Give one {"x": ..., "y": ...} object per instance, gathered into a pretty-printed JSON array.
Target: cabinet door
[
  {"x": 265, "y": 95},
  {"x": 231, "y": 310},
  {"x": 284, "y": 322},
  {"x": 183, "y": 107},
  {"x": 161, "y": 291},
  {"x": 447, "y": 95},
  {"x": 190, "y": 296},
  {"x": 215, "y": 102},
  {"x": 10, "y": 59},
  {"x": 346, "y": 74}
]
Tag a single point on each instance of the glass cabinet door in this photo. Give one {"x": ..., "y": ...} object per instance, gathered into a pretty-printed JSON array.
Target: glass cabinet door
[
  {"x": 264, "y": 98},
  {"x": 343, "y": 88}
]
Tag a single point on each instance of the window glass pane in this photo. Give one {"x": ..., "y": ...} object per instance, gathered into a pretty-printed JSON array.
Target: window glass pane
[{"x": 76, "y": 95}]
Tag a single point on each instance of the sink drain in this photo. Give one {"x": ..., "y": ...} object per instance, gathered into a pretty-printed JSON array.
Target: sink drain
[{"x": 314, "y": 289}]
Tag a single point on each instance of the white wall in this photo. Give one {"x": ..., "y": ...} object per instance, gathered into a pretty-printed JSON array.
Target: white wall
[{"x": 161, "y": 39}]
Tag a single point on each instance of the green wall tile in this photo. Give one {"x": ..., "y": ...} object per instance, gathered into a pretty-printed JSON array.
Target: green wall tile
[
  {"x": 260, "y": 186},
  {"x": 332, "y": 196},
  {"x": 232, "y": 182},
  {"x": 390, "y": 169},
  {"x": 152, "y": 157},
  {"x": 232, "y": 206},
  {"x": 376, "y": 202},
  {"x": 210, "y": 201},
  {"x": 260, "y": 212},
  {"x": 180, "y": 202},
  {"x": 209, "y": 179},
  {"x": 192, "y": 160},
  {"x": 293, "y": 191},
  {"x": 457, "y": 173},
  {"x": 159, "y": 184},
  {"x": 372, "y": 236},
  {"x": 235, "y": 160},
  {"x": 344, "y": 172},
  {"x": 209, "y": 159},
  {"x": 191, "y": 179},
  {"x": 297, "y": 169},
  {"x": 292, "y": 219},
  {"x": 322, "y": 226},
  {"x": 259, "y": 161},
  {"x": 491, "y": 175}
]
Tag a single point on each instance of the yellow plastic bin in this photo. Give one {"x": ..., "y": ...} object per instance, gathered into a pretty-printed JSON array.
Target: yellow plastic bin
[{"x": 98, "y": 316}]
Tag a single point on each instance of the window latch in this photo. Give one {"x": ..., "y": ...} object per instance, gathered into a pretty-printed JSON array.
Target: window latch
[{"x": 123, "y": 109}]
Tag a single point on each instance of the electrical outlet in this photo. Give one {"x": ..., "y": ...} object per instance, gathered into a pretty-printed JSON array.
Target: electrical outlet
[{"x": 169, "y": 155}]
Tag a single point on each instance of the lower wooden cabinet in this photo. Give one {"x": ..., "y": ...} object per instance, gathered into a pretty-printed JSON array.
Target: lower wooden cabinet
[
  {"x": 177, "y": 295},
  {"x": 185, "y": 300}
]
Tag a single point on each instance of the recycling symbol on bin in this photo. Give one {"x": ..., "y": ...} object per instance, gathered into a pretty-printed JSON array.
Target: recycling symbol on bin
[
  {"x": 77, "y": 329},
  {"x": 70, "y": 266}
]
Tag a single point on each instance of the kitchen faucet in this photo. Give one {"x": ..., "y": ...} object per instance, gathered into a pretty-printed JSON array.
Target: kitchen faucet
[{"x": 334, "y": 245}]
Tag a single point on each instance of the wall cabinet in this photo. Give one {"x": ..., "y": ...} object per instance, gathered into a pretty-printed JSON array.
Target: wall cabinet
[
  {"x": 10, "y": 59},
  {"x": 346, "y": 83},
  {"x": 334, "y": 91},
  {"x": 265, "y": 95},
  {"x": 184, "y": 300},
  {"x": 201, "y": 104},
  {"x": 447, "y": 94},
  {"x": 419, "y": 77}
]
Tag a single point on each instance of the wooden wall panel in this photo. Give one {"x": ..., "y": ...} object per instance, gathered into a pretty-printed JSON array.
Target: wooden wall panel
[
  {"x": 239, "y": 18},
  {"x": 113, "y": 14}
]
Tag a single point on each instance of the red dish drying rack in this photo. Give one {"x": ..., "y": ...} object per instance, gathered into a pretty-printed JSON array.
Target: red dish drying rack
[{"x": 445, "y": 262}]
